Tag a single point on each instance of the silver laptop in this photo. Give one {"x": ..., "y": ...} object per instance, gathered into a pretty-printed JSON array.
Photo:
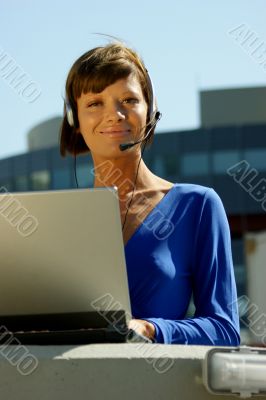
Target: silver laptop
[{"x": 62, "y": 252}]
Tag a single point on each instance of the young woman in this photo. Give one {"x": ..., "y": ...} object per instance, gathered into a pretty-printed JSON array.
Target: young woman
[{"x": 176, "y": 236}]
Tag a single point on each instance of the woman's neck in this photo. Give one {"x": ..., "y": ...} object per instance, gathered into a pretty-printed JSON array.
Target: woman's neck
[{"x": 122, "y": 173}]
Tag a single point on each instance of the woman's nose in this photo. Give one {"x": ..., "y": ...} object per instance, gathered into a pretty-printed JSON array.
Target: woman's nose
[{"x": 115, "y": 112}]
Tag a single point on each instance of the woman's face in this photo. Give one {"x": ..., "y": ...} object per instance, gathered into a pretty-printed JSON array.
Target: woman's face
[{"x": 114, "y": 116}]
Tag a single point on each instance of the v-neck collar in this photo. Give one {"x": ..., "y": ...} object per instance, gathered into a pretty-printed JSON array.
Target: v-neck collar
[{"x": 158, "y": 205}]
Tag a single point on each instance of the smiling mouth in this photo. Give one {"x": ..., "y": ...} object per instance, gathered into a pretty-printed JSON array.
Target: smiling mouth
[{"x": 115, "y": 132}]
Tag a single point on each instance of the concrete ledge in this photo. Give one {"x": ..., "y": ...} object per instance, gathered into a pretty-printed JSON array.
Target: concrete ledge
[{"x": 106, "y": 371}]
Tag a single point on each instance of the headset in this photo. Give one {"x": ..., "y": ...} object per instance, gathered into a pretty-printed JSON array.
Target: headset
[
  {"x": 154, "y": 115},
  {"x": 69, "y": 113}
]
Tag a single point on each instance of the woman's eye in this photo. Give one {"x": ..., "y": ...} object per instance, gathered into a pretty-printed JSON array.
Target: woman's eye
[
  {"x": 130, "y": 100},
  {"x": 93, "y": 104}
]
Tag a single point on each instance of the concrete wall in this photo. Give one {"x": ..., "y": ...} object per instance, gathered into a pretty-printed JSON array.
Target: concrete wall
[
  {"x": 45, "y": 134},
  {"x": 255, "y": 301},
  {"x": 111, "y": 371},
  {"x": 233, "y": 106}
]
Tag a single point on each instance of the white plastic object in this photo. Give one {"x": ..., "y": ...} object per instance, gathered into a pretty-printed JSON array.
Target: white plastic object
[{"x": 240, "y": 370}]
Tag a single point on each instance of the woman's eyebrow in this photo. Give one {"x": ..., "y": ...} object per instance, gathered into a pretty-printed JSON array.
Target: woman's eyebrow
[
  {"x": 91, "y": 95},
  {"x": 131, "y": 92}
]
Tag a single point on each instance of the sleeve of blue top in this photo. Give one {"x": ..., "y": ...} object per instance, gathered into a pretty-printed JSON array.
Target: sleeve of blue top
[{"x": 216, "y": 320}]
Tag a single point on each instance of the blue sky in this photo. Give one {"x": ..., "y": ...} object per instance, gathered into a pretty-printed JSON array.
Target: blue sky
[{"x": 185, "y": 45}]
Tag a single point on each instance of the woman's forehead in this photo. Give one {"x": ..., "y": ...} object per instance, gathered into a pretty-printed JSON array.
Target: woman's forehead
[{"x": 128, "y": 84}]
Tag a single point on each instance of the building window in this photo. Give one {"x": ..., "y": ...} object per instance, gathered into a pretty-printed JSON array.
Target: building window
[
  {"x": 171, "y": 165},
  {"x": 40, "y": 180},
  {"x": 240, "y": 276},
  {"x": 21, "y": 183},
  {"x": 61, "y": 178},
  {"x": 222, "y": 160},
  {"x": 256, "y": 158},
  {"x": 6, "y": 185},
  {"x": 194, "y": 164},
  {"x": 85, "y": 175},
  {"x": 158, "y": 166}
]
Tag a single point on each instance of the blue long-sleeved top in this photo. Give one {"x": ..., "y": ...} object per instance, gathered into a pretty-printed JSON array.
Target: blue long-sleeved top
[{"x": 183, "y": 248}]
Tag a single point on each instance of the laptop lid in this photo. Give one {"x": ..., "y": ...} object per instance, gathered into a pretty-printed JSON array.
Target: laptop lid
[{"x": 62, "y": 252}]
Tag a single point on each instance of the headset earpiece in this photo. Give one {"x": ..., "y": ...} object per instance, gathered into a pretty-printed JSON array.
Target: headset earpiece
[
  {"x": 153, "y": 113},
  {"x": 69, "y": 113}
]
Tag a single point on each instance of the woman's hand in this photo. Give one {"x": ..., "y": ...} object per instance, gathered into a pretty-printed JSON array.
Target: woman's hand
[{"x": 142, "y": 327}]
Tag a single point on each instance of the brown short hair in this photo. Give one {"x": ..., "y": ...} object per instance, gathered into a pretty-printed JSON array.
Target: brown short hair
[{"x": 93, "y": 72}]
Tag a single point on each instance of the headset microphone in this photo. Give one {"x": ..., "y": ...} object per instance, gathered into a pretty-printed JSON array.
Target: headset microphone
[{"x": 125, "y": 146}]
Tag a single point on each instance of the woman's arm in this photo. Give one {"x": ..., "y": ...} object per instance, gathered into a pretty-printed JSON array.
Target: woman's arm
[{"x": 216, "y": 320}]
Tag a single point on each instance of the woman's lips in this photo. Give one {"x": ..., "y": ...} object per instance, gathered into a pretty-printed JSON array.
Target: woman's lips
[{"x": 115, "y": 132}]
